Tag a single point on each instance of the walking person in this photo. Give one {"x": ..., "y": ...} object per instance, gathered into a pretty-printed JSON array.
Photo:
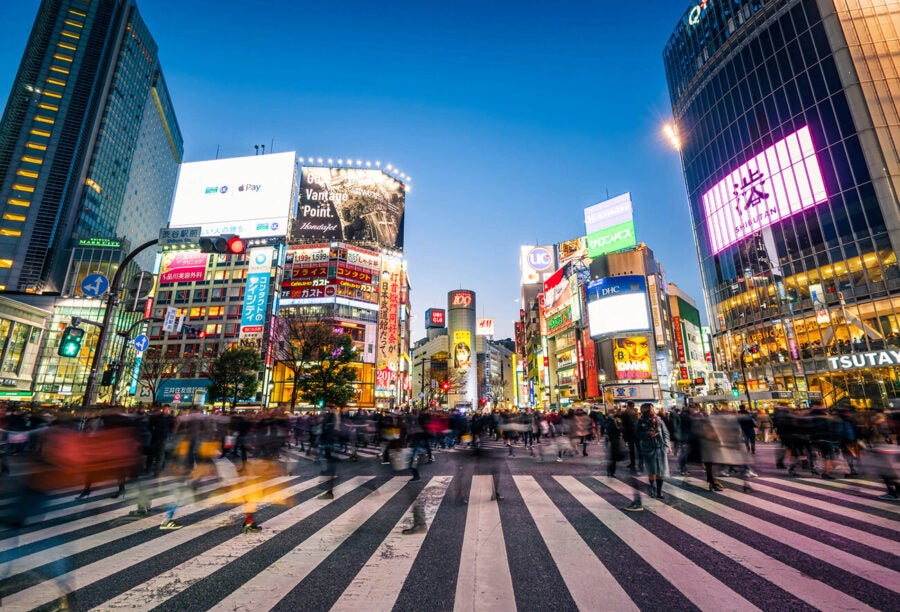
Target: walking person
[
  {"x": 613, "y": 428},
  {"x": 653, "y": 442},
  {"x": 629, "y": 420}
]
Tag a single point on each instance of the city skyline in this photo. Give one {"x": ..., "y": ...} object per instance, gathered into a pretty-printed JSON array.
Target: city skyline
[{"x": 507, "y": 123}]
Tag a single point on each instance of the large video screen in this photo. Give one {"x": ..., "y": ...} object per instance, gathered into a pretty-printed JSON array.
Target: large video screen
[
  {"x": 350, "y": 204},
  {"x": 249, "y": 196},
  {"x": 779, "y": 182},
  {"x": 617, "y": 304}
]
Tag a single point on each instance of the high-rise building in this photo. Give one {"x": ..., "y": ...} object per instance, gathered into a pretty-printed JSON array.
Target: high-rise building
[
  {"x": 89, "y": 143},
  {"x": 787, "y": 116}
]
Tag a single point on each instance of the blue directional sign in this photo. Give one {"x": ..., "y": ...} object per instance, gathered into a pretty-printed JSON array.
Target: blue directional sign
[
  {"x": 94, "y": 285},
  {"x": 141, "y": 342}
]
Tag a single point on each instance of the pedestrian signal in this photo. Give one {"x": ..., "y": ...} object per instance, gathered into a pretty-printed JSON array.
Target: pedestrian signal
[{"x": 70, "y": 345}]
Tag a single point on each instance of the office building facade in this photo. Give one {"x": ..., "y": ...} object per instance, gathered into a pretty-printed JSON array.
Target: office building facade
[
  {"x": 89, "y": 142},
  {"x": 787, "y": 113}
]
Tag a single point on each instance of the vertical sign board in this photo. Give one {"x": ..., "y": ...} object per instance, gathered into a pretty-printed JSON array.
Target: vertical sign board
[
  {"x": 462, "y": 330},
  {"x": 679, "y": 345},
  {"x": 256, "y": 293},
  {"x": 388, "y": 338}
]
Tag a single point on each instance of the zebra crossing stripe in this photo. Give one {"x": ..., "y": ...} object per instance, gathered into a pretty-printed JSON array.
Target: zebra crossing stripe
[
  {"x": 866, "y": 483},
  {"x": 37, "y": 559},
  {"x": 57, "y": 530},
  {"x": 790, "y": 579},
  {"x": 172, "y": 582},
  {"x": 702, "y": 588},
  {"x": 379, "y": 582},
  {"x": 810, "y": 520},
  {"x": 843, "y": 560},
  {"x": 273, "y": 583},
  {"x": 588, "y": 580},
  {"x": 45, "y": 592},
  {"x": 853, "y": 499},
  {"x": 484, "y": 580}
]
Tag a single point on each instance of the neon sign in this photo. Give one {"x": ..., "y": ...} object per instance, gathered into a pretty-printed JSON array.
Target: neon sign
[
  {"x": 696, "y": 12},
  {"x": 779, "y": 182}
]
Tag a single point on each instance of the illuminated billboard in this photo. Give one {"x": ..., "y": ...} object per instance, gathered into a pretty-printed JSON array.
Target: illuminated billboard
[
  {"x": 557, "y": 291},
  {"x": 535, "y": 263},
  {"x": 779, "y": 182},
  {"x": 617, "y": 304},
  {"x": 249, "y": 196},
  {"x": 608, "y": 213},
  {"x": 435, "y": 318},
  {"x": 462, "y": 349},
  {"x": 631, "y": 357},
  {"x": 182, "y": 267},
  {"x": 388, "y": 330},
  {"x": 610, "y": 239},
  {"x": 484, "y": 327},
  {"x": 350, "y": 204},
  {"x": 571, "y": 249}
]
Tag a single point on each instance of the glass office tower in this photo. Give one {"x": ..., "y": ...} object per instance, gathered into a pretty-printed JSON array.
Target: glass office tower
[
  {"x": 89, "y": 143},
  {"x": 788, "y": 113}
]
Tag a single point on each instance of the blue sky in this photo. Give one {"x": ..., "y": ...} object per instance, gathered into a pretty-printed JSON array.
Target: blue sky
[{"x": 510, "y": 118}]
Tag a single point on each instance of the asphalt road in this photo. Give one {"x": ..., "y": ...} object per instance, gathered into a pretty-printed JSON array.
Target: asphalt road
[{"x": 559, "y": 539}]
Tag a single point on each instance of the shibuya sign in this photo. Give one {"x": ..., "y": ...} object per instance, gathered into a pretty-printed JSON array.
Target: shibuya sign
[{"x": 862, "y": 360}]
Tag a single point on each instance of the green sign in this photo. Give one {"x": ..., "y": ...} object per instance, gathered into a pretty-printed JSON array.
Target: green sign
[
  {"x": 560, "y": 320},
  {"x": 102, "y": 243},
  {"x": 15, "y": 393},
  {"x": 611, "y": 239}
]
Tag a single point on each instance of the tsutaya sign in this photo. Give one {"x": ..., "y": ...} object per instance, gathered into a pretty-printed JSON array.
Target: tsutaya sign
[{"x": 862, "y": 360}]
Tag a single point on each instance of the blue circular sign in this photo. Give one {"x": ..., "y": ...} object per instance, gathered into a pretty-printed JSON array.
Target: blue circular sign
[
  {"x": 141, "y": 342},
  {"x": 94, "y": 285}
]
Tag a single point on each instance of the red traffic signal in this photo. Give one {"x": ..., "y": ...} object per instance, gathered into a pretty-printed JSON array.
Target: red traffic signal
[
  {"x": 236, "y": 246},
  {"x": 445, "y": 385},
  {"x": 226, "y": 244}
]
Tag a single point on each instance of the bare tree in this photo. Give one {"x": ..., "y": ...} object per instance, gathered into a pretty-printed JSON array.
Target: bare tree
[{"x": 302, "y": 344}]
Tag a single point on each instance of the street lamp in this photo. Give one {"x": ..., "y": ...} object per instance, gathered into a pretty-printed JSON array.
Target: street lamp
[{"x": 601, "y": 378}]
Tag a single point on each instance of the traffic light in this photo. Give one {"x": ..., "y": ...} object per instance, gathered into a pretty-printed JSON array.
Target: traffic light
[
  {"x": 70, "y": 345},
  {"x": 445, "y": 386},
  {"x": 226, "y": 244},
  {"x": 735, "y": 392},
  {"x": 109, "y": 377},
  {"x": 193, "y": 331}
]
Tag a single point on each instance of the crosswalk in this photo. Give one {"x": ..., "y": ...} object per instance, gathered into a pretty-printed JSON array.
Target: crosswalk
[
  {"x": 374, "y": 451},
  {"x": 554, "y": 540}
]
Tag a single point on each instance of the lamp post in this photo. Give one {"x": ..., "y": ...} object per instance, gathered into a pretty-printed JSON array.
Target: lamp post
[
  {"x": 601, "y": 378},
  {"x": 744, "y": 352}
]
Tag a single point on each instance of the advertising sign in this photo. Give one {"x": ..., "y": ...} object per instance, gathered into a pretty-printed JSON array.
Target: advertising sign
[
  {"x": 655, "y": 312},
  {"x": 679, "y": 347},
  {"x": 557, "y": 291},
  {"x": 779, "y": 182},
  {"x": 575, "y": 249},
  {"x": 608, "y": 213},
  {"x": 535, "y": 262},
  {"x": 249, "y": 196},
  {"x": 184, "y": 387},
  {"x": 560, "y": 321},
  {"x": 314, "y": 254},
  {"x": 611, "y": 239},
  {"x": 182, "y": 267},
  {"x": 435, "y": 317},
  {"x": 484, "y": 327},
  {"x": 363, "y": 258},
  {"x": 462, "y": 350},
  {"x": 462, "y": 299},
  {"x": 388, "y": 340},
  {"x": 352, "y": 204},
  {"x": 631, "y": 357},
  {"x": 256, "y": 294},
  {"x": 617, "y": 304}
]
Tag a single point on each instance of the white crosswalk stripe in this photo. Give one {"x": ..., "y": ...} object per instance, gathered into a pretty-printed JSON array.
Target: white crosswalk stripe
[{"x": 777, "y": 525}]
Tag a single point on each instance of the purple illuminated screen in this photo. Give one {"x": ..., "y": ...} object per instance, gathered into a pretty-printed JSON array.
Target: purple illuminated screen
[{"x": 779, "y": 182}]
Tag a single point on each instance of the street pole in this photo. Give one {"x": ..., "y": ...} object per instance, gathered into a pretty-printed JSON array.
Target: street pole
[
  {"x": 112, "y": 301},
  {"x": 746, "y": 381},
  {"x": 125, "y": 335}
]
